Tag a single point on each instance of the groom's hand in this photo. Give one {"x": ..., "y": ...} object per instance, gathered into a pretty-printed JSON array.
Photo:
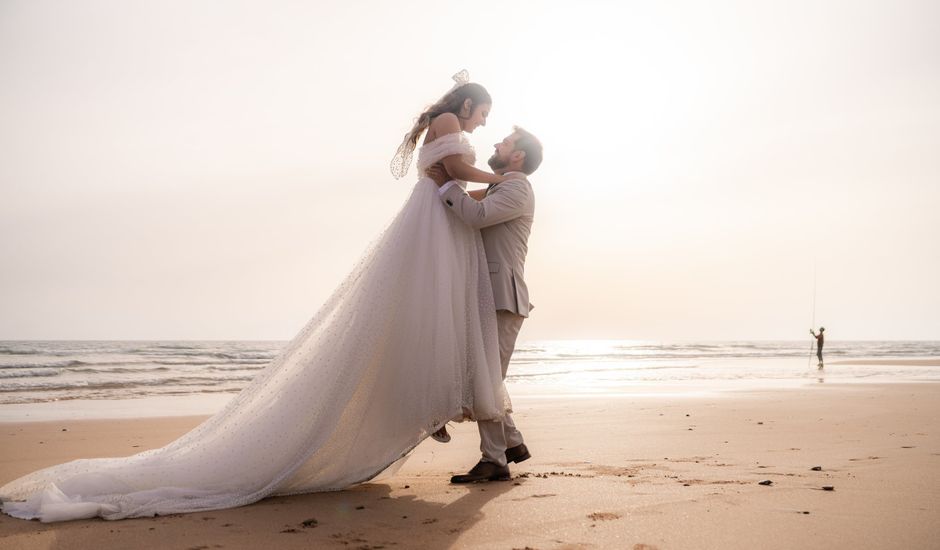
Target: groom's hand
[{"x": 438, "y": 174}]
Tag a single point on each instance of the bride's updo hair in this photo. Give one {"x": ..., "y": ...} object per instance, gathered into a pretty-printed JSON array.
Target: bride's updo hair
[{"x": 450, "y": 103}]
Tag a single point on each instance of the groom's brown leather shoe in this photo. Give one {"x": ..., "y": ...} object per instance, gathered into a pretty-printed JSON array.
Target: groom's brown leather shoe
[
  {"x": 483, "y": 471},
  {"x": 518, "y": 453}
]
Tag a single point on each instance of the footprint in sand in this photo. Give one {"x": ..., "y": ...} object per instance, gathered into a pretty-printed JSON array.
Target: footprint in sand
[
  {"x": 546, "y": 495},
  {"x": 603, "y": 516}
]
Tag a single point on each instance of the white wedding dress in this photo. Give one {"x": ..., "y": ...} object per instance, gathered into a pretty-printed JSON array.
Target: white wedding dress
[{"x": 406, "y": 343}]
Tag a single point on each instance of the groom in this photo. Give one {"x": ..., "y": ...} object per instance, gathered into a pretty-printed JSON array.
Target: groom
[{"x": 503, "y": 213}]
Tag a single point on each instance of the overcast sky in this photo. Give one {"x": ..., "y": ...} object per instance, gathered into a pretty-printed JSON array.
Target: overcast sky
[{"x": 211, "y": 170}]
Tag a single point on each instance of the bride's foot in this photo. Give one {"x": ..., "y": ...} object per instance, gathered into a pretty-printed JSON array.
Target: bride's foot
[{"x": 441, "y": 435}]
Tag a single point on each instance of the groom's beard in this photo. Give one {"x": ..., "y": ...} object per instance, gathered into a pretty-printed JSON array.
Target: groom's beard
[{"x": 497, "y": 163}]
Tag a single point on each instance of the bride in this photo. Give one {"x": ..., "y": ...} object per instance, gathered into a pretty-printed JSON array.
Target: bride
[{"x": 405, "y": 344}]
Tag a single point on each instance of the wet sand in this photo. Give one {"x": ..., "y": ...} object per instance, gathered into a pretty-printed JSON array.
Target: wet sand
[{"x": 888, "y": 362}]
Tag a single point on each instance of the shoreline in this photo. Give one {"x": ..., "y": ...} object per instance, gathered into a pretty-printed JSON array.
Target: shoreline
[
  {"x": 605, "y": 473},
  {"x": 761, "y": 374},
  {"x": 206, "y": 405},
  {"x": 931, "y": 362}
]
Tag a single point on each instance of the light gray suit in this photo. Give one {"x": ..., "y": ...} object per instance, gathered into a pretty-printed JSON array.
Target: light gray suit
[{"x": 504, "y": 218}]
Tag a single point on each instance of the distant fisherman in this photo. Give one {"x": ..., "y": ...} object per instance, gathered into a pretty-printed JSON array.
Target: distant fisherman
[{"x": 820, "y": 339}]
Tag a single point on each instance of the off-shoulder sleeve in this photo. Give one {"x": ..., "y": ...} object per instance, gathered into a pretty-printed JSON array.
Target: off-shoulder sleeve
[{"x": 444, "y": 146}]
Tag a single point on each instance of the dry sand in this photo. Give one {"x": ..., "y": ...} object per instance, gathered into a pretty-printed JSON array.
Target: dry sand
[{"x": 625, "y": 472}]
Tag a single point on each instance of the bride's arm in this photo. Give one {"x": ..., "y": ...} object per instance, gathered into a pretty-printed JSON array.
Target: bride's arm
[
  {"x": 456, "y": 166},
  {"x": 479, "y": 194},
  {"x": 460, "y": 170},
  {"x": 440, "y": 176}
]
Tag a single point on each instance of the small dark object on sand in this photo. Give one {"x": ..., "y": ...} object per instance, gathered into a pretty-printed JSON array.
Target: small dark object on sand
[
  {"x": 765, "y": 482},
  {"x": 312, "y": 522},
  {"x": 360, "y": 507},
  {"x": 816, "y": 468},
  {"x": 828, "y": 488},
  {"x": 805, "y": 511}
]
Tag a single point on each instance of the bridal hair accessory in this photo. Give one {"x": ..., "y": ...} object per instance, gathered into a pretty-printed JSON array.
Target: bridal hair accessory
[
  {"x": 461, "y": 78},
  {"x": 402, "y": 159}
]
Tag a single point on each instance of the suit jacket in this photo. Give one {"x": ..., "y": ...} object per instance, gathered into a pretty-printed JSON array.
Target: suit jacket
[{"x": 504, "y": 218}]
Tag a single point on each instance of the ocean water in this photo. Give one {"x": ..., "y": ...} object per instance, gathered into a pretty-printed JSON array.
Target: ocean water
[{"x": 56, "y": 371}]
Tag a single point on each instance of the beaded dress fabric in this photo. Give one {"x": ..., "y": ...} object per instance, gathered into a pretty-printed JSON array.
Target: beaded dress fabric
[{"x": 404, "y": 344}]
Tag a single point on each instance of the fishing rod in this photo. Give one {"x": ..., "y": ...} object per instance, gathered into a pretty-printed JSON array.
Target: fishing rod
[{"x": 809, "y": 360}]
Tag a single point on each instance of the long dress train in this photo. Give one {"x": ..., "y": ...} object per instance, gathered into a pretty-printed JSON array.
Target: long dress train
[{"x": 406, "y": 343}]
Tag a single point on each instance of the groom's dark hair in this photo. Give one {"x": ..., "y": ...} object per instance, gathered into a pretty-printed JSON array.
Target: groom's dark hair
[{"x": 531, "y": 146}]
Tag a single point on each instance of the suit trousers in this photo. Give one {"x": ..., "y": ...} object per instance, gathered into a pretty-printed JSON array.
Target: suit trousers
[{"x": 496, "y": 436}]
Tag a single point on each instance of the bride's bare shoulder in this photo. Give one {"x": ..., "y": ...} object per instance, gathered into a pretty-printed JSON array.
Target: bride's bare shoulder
[{"x": 442, "y": 124}]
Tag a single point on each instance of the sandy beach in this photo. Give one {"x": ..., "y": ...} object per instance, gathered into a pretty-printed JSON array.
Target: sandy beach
[{"x": 636, "y": 472}]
